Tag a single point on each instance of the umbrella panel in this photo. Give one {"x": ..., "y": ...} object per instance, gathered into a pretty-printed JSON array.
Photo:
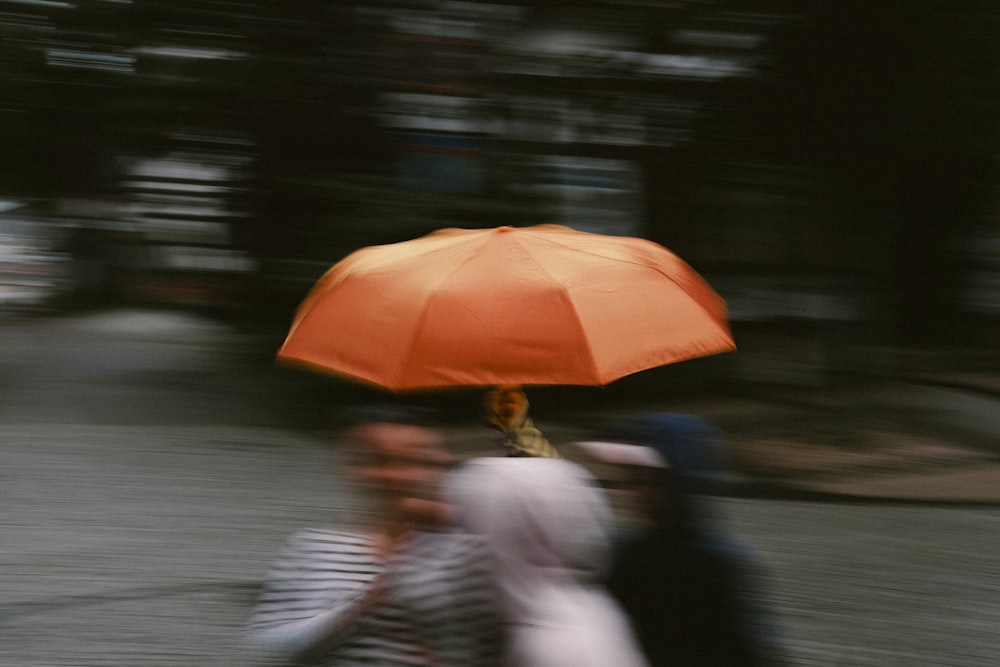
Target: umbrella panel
[{"x": 544, "y": 305}]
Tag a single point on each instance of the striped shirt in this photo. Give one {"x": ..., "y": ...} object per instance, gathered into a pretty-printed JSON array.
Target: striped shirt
[{"x": 437, "y": 608}]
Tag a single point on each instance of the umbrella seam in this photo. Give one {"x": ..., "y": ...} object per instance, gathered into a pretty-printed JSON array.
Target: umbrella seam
[
  {"x": 683, "y": 285},
  {"x": 594, "y": 368},
  {"x": 404, "y": 371},
  {"x": 671, "y": 276}
]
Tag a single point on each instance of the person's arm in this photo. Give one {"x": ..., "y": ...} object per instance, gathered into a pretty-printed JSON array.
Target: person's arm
[{"x": 319, "y": 588}]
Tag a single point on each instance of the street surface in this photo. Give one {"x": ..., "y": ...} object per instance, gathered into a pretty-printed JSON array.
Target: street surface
[{"x": 145, "y": 491}]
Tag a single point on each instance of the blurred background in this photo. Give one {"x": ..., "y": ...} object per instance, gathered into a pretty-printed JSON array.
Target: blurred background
[
  {"x": 830, "y": 167},
  {"x": 174, "y": 176}
]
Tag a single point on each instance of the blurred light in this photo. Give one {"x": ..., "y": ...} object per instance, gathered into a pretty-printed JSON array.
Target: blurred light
[
  {"x": 188, "y": 258},
  {"x": 191, "y": 53},
  {"x": 696, "y": 67},
  {"x": 43, "y": 3},
  {"x": 89, "y": 60}
]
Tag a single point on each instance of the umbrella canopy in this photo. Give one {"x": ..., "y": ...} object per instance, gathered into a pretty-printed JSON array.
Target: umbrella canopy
[{"x": 530, "y": 305}]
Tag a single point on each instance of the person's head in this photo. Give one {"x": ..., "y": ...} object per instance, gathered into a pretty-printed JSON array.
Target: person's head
[
  {"x": 692, "y": 447},
  {"x": 399, "y": 455},
  {"x": 540, "y": 513},
  {"x": 505, "y": 406},
  {"x": 546, "y": 522},
  {"x": 638, "y": 480}
]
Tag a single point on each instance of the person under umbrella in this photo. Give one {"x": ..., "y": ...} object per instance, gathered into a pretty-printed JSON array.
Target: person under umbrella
[{"x": 506, "y": 409}]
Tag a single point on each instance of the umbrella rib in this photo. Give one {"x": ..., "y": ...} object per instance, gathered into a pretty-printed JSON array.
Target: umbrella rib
[
  {"x": 426, "y": 304},
  {"x": 404, "y": 369},
  {"x": 594, "y": 368},
  {"x": 718, "y": 317}
]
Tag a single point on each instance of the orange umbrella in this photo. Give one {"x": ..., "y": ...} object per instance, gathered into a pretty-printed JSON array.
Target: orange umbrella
[{"x": 530, "y": 305}]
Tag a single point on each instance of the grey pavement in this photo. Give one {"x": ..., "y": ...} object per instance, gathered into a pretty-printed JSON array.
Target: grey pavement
[
  {"x": 146, "y": 487},
  {"x": 135, "y": 545}
]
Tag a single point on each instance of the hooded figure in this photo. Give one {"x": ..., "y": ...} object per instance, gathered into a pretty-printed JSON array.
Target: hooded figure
[
  {"x": 549, "y": 527},
  {"x": 691, "y": 591}
]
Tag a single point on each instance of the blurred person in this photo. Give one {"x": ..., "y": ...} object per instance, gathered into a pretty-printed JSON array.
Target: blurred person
[
  {"x": 405, "y": 589},
  {"x": 506, "y": 409},
  {"x": 692, "y": 592},
  {"x": 621, "y": 469},
  {"x": 549, "y": 528}
]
